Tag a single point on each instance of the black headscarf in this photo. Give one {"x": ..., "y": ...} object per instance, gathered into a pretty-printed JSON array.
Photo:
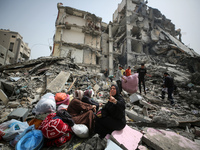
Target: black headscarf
[
  {"x": 117, "y": 95},
  {"x": 115, "y": 110}
]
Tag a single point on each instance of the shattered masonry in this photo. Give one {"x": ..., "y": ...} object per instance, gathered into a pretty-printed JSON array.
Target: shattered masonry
[
  {"x": 136, "y": 30},
  {"x": 138, "y": 34}
]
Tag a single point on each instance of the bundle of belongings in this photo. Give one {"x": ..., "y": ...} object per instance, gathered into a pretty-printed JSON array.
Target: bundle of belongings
[
  {"x": 131, "y": 86},
  {"x": 54, "y": 130}
]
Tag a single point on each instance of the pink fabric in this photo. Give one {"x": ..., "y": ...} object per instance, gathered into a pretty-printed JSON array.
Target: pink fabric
[
  {"x": 128, "y": 137},
  {"x": 131, "y": 86}
]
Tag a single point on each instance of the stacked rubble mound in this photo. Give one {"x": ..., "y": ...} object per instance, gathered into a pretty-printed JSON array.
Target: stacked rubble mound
[{"x": 152, "y": 123}]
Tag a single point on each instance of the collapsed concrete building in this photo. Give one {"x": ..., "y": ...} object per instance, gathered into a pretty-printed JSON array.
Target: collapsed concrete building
[
  {"x": 137, "y": 30},
  {"x": 12, "y": 48},
  {"x": 78, "y": 36}
]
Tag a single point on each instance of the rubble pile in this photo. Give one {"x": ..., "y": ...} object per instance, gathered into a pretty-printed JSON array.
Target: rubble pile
[{"x": 23, "y": 84}]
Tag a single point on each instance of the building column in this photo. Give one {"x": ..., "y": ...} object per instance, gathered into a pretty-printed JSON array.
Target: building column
[
  {"x": 111, "y": 72},
  {"x": 17, "y": 54}
]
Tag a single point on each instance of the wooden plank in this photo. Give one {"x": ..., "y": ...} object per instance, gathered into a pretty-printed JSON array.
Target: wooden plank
[{"x": 71, "y": 85}]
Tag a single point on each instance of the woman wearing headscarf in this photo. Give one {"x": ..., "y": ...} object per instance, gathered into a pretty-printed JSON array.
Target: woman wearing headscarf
[
  {"x": 87, "y": 98},
  {"x": 82, "y": 113},
  {"x": 112, "y": 116}
]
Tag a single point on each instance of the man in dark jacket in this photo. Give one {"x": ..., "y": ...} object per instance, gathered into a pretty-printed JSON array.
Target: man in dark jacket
[
  {"x": 141, "y": 76},
  {"x": 169, "y": 84}
]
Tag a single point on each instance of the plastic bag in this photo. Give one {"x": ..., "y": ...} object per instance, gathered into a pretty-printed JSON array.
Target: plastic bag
[
  {"x": 81, "y": 130},
  {"x": 131, "y": 86},
  {"x": 60, "y": 96},
  {"x": 46, "y": 104},
  {"x": 62, "y": 106},
  {"x": 33, "y": 140},
  {"x": 18, "y": 137},
  {"x": 10, "y": 129}
]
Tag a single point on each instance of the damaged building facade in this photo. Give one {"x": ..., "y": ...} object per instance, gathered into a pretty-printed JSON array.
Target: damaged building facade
[
  {"x": 139, "y": 30},
  {"x": 78, "y": 36},
  {"x": 136, "y": 31},
  {"x": 12, "y": 47}
]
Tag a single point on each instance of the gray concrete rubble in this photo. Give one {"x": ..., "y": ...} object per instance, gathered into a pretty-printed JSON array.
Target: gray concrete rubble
[{"x": 22, "y": 89}]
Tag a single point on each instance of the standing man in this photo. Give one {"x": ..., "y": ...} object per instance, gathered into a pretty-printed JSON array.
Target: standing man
[
  {"x": 169, "y": 84},
  {"x": 106, "y": 73},
  {"x": 122, "y": 71},
  {"x": 128, "y": 71},
  {"x": 118, "y": 79},
  {"x": 142, "y": 72}
]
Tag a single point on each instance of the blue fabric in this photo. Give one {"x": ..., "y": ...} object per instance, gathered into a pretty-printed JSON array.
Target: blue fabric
[{"x": 32, "y": 140}]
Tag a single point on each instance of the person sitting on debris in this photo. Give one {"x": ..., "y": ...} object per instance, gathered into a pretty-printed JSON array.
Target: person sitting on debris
[
  {"x": 169, "y": 84},
  {"x": 128, "y": 71},
  {"x": 118, "y": 79},
  {"x": 87, "y": 98},
  {"x": 82, "y": 113},
  {"x": 78, "y": 94},
  {"x": 112, "y": 116},
  {"x": 142, "y": 72}
]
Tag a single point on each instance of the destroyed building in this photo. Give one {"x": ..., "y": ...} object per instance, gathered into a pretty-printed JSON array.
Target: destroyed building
[
  {"x": 12, "y": 47},
  {"x": 136, "y": 30},
  {"x": 152, "y": 123},
  {"x": 78, "y": 36}
]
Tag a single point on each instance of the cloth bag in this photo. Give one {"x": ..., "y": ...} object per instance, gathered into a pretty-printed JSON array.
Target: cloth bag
[{"x": 131, "y": 86}]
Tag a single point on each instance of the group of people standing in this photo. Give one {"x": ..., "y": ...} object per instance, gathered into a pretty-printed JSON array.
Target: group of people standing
[{"x": 168, "y": 85}]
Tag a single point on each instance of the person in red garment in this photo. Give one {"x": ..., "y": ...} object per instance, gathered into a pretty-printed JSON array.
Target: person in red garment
[{"x": 128, "y": 71}]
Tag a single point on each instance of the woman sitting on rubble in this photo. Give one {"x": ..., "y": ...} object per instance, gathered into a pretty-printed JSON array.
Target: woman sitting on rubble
[
  {"x": 87, "y": 98},
  {"x": 112, "y": 116},
  {"x": 82, "y": 113}
]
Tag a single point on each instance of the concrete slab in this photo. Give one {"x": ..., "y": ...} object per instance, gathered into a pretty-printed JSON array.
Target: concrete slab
[
  {"x": 3, "y": 97},
  {"x": 137, "y": 117},
  {"x": 147, "y": 105},
  {"x": 58, "y": 83},
  {"x": 167, "y": 140},
  {"x": 112, "y": 146},
  {"x": 135, "y": 97},
  {"x": 19, "y": 114},
  {"x": 127, "y": 138}
]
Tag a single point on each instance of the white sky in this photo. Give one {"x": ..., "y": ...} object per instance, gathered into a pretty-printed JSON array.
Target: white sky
[{"x": 35, "y": 20}]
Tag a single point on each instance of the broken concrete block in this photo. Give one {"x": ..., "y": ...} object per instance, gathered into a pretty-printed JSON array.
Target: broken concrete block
[
  {"x": 136, "y": 117},
  {"x": 167, "y": 140},
  {"x": 145, "y": 111},
  {"x": 147, "y": 105},
  {"x": 13, "y": 104},
  {"x": 127, "y": 138},
  {"x": 96, "y": 87},
  {"x": 3, "y": 97},
  {"x": 135, "y": 97},
  {"x": 141, "y": 147},
  {"x": 165, "y": 120},
  {"x": 59, "y": 82},
  {"x": 197, "y": 131},
  {"x": 19, "y": 114},
  {"x": 155, "y": 35},
  {"x": 112, "y": 145}
]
